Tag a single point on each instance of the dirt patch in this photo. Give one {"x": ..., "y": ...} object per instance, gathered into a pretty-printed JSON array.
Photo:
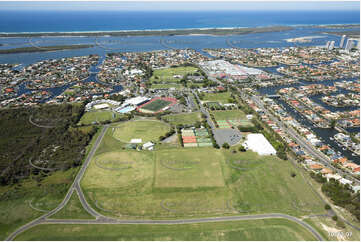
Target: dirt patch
[{"x": 334, "y": 233}]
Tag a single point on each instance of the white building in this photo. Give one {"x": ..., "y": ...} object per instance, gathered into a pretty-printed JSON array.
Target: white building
[
  {"x": 136, "y": 141},
  {"x": 349, "y": 45},
  {"x": 328, "y": 44},
  {"x": 249, "y": 116},
  {"x": 332, "y": 45},
  {"x": 135, "y": 101},
  {"x": 148, "y": 146},
  {"x": 258, "y": 143},
  {"x": 101, "y": 106},
  {"x": 333, "y": 176},
  {"x": 342, "y": 41},
  {"x": 356, "y": 188},
  {"x": 344, "y": 181}
]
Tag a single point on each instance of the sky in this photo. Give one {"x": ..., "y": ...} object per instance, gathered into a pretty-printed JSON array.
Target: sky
[{"x": 181, "y": 6}]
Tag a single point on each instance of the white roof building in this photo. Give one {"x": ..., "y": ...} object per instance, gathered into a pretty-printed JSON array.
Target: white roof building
[
  {"x": 101, "y": 106},
  {"x": 344, "y": 181},
  {"x": 258, "y": 143},
  {"x": 249, "y": 116},
  {"x": 356, "y": 188},
  {"x": 135, "y": 100},
  {"x": 148, "y": 146},
  {"x": 136, "y": 141},
  {"x": 333, "y": 176}
]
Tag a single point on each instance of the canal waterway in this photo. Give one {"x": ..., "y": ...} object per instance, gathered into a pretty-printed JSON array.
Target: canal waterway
[{"x": 108, "y": 44}]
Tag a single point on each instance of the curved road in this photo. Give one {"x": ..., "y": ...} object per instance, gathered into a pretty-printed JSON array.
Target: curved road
[
  {"x": 74, "y": 186},
  {"x": 100, "y": 219},
  {"x": 300, "y": 140}
]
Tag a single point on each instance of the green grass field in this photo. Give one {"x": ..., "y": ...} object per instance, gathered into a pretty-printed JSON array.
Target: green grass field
[
  {"x": 73, "y": 210},
  {"x": 156, "y": 105},
  {"x": 166, "y": 74},
  {"x": 146, "y": 130},
  {"x": 178, "y": 183},
  {"x": 98, "y": 116},
  {"x": 183, "y": 118},
  {"x": 15, "y": 200},
  {"x": 221, "y": 97},
  {"x": 213, "y": 104},
  {"x": 170, "y": 85},
  {"x": 127, "y": 168},
  {"x": 193, "y": 168},
  {"x": 256, "y": 230}
]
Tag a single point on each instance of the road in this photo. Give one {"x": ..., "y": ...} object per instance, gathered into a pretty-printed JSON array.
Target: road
[
  {"x": 190, "y": 221},
  {"x": 100, "y": 219},
  {"x": 299, "y": 139},
  {"x": 218, "y": 139},
  {"x": 75, "y": 186},
  {"x": 191, "y": 102}
]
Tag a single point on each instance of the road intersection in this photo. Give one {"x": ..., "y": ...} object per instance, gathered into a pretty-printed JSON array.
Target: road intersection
[{"x": 101, "y": 219}]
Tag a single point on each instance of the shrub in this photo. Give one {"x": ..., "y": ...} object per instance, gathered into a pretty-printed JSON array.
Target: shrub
[
  {"x": 242, "y": 149},
  {"x": 340, "y": 224},
  {"x": 225, "y": 145}
]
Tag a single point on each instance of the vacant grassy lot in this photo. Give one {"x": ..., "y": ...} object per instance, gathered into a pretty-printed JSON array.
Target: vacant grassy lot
[
  {"x": 221, "y": 97},
  {"x": 183, "y": 118},
  {"x": 145, "y": 130},
  {"x": 16, "y": 201},
  {"x": 167, "y": 74},
  {"x": 98, "y": 116},
  {"x": 170, "y": 85},
  {"x": 193, "y": 168},
  {"x": 73, "y": 210},
  {"x": 257, "y": 230},
  {"x": 175, "y": 183},
  {"x": 118, "y": 169},
  {"x": 132, "y": 191},
  {"x": 263, "y": 184}
]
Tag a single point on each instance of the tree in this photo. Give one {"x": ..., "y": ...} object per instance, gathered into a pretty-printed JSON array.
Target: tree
[
  {"x": 197, "y": 124},
  {"x": 334, "y": 218},
  {"x": 333, "y": 123},
  {"x": 282, "y": 155},
  {"x": 327, "y": 207},
  {"x": 158, "y": 116},
  {"x": 242, "y": 149},
  {"x": 225, "y": 145},
  {"x": 340, "y": 224},
  {"x": 293, "y": 174}
]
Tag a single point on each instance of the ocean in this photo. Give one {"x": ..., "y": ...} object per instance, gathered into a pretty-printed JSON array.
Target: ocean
[
  {"x": 74, "y": 21},
  {"x": 82, "y": 21}
]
